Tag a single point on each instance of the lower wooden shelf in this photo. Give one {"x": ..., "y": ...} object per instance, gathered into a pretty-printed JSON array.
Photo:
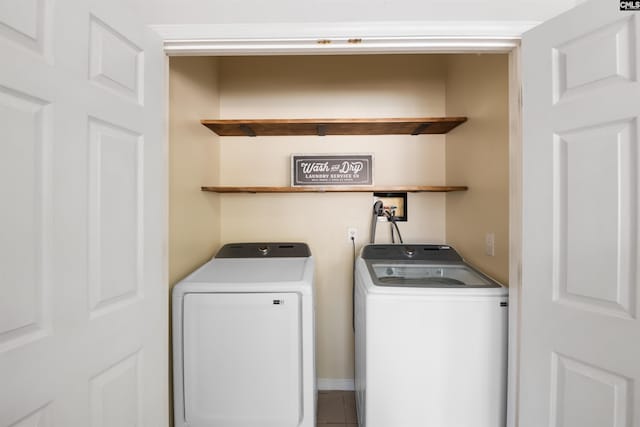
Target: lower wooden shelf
[{"x": 338, "y": 189}]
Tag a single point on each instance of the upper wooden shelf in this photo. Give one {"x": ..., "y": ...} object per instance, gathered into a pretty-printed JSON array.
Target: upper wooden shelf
[
  {"x": 322, "y": 127},
  {"x": 338, "y": 189}
]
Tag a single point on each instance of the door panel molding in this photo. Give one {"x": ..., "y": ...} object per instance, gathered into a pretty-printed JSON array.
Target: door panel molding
[
  {"x": 583, "y": 190},
  {"x": 28, "y": 26},
  {"x": 576, "y": 69},
  {"x": 598, "y": 388},
  {"x": 25, "y": 163},
  {"x": 116, "y": 227},
  {"x": 115, "y": 62}
]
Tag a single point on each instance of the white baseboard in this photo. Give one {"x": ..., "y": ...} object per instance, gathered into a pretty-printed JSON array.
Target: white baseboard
[{"x": 345, "y": 384}]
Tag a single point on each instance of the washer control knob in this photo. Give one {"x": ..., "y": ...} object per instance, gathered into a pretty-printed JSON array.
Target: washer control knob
[
  {"x": 409, "y": 251},
  {"x": 263, "y": 250}
]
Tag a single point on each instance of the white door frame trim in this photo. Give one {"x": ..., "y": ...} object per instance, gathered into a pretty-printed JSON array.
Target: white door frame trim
[
  {"x": 515, "y": 234},
  {"x": 391, "y": 38},
  {"x": 342, "y": 38}
]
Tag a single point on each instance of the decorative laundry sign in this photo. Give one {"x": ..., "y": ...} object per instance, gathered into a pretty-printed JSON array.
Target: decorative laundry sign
[{"x": 331, "y": 169}]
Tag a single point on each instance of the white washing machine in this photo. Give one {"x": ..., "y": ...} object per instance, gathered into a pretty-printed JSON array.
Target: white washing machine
[
  {"x": 431, "y": 340},
  {"x": 243, "y": 339}
]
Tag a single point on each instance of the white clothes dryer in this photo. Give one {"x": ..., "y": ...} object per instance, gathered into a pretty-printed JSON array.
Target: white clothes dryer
[
  {"x": 431, "y": 339},
  {"x": 243, "y": 339}
]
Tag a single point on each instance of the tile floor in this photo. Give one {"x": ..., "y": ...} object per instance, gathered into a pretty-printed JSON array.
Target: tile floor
[{"x": 336, "y": 409}]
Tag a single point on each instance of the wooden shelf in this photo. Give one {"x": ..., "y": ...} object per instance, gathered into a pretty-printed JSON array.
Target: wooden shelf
[
  {"x": 322, "y": 127},
  {"x": 338, "y": 189}
]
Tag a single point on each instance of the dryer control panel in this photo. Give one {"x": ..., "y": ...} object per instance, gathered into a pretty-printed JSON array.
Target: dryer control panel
[{"x": 264, "y": 250}]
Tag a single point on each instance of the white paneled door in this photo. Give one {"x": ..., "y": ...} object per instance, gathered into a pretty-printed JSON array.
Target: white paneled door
[
  {"x": 83, "y": 300},
  {"x": 580, "y": 356}
]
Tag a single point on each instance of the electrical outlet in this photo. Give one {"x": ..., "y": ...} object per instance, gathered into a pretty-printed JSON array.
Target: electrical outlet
[
  {"x": 352, "y": 234},
  {"x": 490, "y": 244}
]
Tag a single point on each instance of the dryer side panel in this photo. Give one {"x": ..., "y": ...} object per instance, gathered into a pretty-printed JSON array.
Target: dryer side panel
[{"x": 242, "y": 359}]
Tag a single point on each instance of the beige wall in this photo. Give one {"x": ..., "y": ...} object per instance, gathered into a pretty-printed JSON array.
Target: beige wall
[
  {"x": 477, "y": 155},
  {"x": 194, "y": 216},
  {"x": 330, "y": 86},
  {"x": 337, "y": 87}
]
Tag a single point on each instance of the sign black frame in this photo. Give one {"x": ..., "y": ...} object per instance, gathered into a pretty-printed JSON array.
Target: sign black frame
[{"x": 309, "y": 170}]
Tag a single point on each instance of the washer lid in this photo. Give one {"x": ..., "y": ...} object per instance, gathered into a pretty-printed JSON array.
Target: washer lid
[
  {"x": 264, "y": 250},
  {"x": 428, "y": 275}
]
